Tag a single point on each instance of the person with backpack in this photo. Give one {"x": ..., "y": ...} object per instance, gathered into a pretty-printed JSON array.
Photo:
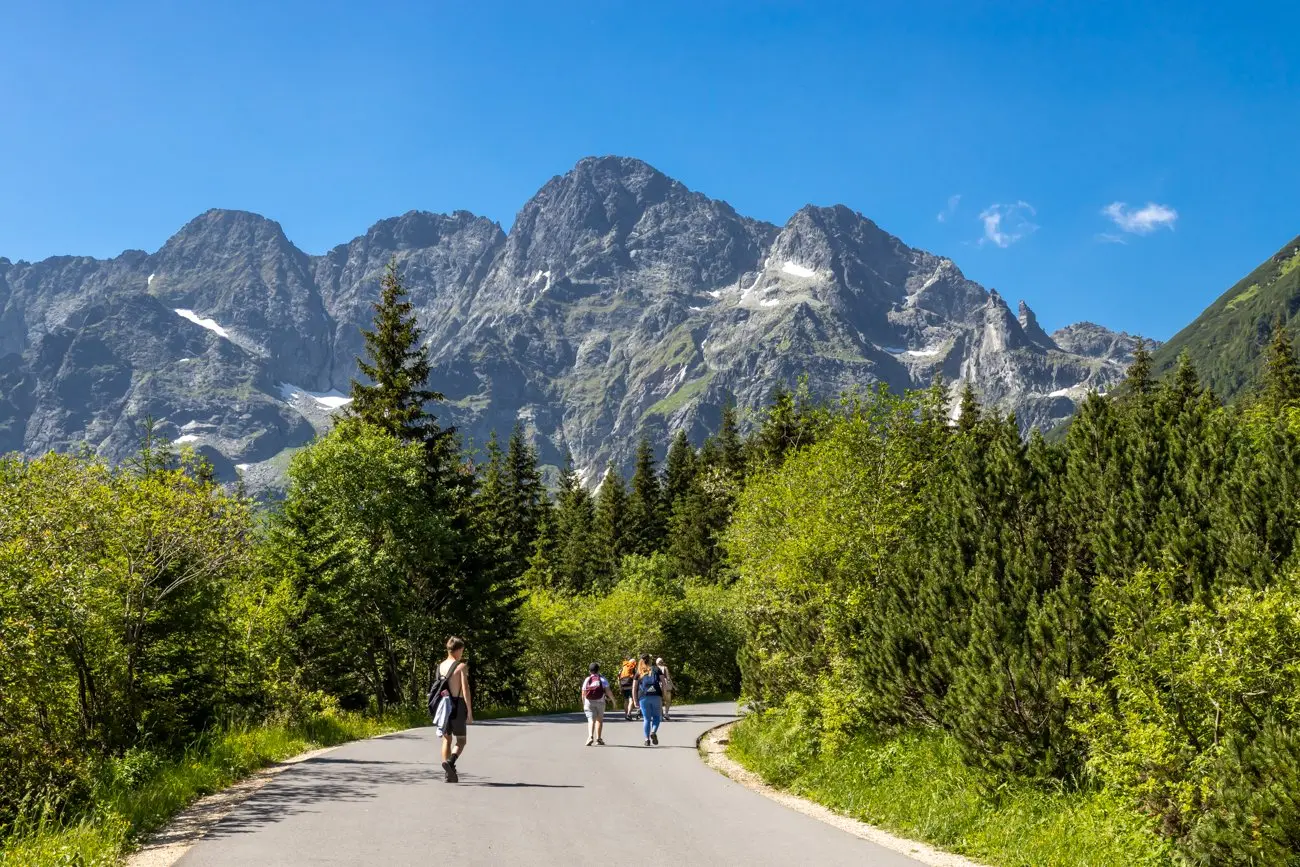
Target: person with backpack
[
  {"x": 649, "y": 695},
  {"x": 450, "y": 705},
  {"x": 626, "y": 680},
  {"x": 595, "y": 689},
  {"x": 666, "y": 680}
]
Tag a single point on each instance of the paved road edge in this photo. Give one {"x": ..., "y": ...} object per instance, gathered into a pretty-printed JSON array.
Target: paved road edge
[
  {"x": 167, "y": 846},
  {"x": 712, "y": 745}
]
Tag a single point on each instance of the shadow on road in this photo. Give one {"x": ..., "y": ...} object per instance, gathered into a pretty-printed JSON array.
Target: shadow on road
[
  {"x": 490, "y": 784},
  {"x": 300, "y": 788}
]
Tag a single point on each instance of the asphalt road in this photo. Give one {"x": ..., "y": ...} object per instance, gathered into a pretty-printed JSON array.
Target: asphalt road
[{"x": 530, "y": 793}]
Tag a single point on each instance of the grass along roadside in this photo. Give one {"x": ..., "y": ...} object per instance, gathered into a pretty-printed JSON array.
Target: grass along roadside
[
  {"x": 126, "y": 810},
  {"x": 915, "y": 784}
]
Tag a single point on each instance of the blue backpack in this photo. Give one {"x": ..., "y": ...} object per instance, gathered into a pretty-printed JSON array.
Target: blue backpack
[{"x": 650, "y": 683}]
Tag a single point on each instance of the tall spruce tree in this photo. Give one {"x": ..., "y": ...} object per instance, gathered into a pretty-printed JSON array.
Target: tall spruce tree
[
  {"x": 696, "y": 520},
  {"x": 646, "y": 524},
  {"x": 398, "y": 368},
  {"x": 1280, "y": 383},
  {"x": 525, "y": 499},
  {"x": 1139, "y": 381},
  {"x": 969, "y": 411},
  {"x": 728, "y": 450},
  {"x": 611, "y": 537},
  {"x": 576, "y": 557},
  {"x": 679, "y": 470}
]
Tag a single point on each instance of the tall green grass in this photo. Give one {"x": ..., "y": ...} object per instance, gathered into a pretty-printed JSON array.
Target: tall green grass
[
  {"x": 916, "y": 785},
  {"x": 137, "y": 797}
]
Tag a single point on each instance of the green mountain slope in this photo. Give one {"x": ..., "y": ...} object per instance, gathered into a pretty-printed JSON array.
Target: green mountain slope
[{"x": 1226, "y": 340}]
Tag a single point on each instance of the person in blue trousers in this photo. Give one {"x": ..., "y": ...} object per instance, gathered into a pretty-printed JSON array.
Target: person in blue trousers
[{"x": 649, "y": 694}]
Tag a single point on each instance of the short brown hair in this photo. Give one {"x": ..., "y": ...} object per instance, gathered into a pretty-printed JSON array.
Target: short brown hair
[{"x": 454, "y": 644}]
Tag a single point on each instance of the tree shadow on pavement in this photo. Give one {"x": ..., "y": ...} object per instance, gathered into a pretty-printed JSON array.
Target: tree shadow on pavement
[
  {"x": 493, "y": 785},
  {"x": 301, "y": 788}
]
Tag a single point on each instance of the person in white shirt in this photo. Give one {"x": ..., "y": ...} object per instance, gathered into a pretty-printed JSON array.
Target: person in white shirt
[{"x": 595, "y": 691}]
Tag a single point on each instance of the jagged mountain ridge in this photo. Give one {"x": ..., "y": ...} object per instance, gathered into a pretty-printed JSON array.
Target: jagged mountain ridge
[{"x": 619, "y": 302}]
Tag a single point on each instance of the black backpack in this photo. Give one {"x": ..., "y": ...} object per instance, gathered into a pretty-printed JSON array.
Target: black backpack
[
  {"x": 650, "y": 683},
  {"x": 441, "y": 684}
]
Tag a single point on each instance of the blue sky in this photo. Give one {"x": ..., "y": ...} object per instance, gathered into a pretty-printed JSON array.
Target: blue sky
[{"x": 119, "y": 122}]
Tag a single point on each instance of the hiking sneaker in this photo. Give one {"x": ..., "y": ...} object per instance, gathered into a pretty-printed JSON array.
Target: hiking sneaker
[
  {"x": 450, "y": 769},
  {"x": 647, "y": 742},
  {"x": 590, "y": 742},
  {"x": 654, "y": 737},
  {"x": 600, "y": 742}
]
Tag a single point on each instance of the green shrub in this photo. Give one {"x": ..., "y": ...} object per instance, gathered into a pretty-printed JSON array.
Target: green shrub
[
  {"x": 691, "y": 625},
  {"x": 1197, "y": 724},
  {"x": 915, "y": 783}
]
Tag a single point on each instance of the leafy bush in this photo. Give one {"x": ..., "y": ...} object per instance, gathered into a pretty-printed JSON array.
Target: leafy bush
[
  {"x": 691, "y": 625},
  {"x": 116, "y": 624},
  {"x": 1197, "y": 724}
]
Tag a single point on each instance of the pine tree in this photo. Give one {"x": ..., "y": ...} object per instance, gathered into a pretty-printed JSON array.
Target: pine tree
[
  {"x": 645, "y": 514},
  {"x": 730, "y": 448},
  {"x": 679, "y": 470},
  {"x": 1139, "y": 380},
  {"x": 611, "y": 538},
  {"x": 1280, "y": 384},
  {"x": 970, "y": 408},
  {"x": 575, "y": 555},
  {"x": 525, "y": 498},
  {"x": 398, "y": 369},
  {"x": 779, "y": 431},
  {"x": 693, "y": 528}
]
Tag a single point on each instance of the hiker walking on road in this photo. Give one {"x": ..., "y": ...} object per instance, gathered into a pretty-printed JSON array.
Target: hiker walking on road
[
  {"x": 649, "y": 695},
  {"x": 454, "y": 710},
  {"x": 595, "y": 689},
  {"x": 665, "y": 681},
  {"x": 626, "y": 678}
]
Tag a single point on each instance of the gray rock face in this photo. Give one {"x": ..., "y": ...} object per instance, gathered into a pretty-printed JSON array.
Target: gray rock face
[{"x": 620, "y": 302}]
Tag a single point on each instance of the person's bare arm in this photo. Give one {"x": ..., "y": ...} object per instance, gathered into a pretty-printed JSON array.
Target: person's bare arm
[{"x": 464, "y": 691}]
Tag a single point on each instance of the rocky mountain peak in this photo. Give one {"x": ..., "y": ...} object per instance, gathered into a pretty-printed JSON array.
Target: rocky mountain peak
[
  {"x": 421, "y": 229},
  {"x": 1095, "y": 341},
  {"x": 219, "y": 229},
  {"x": 618, "y": 225},
  {"x": 1002, "y": 331},
  {"x": 1029, "y": 322}
]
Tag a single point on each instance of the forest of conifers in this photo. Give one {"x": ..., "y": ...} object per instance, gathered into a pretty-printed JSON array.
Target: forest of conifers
[{"x": 1116, "y": 608}]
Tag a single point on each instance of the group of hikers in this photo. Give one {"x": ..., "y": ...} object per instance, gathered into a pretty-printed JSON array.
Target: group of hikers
[{"x": 647, "y": 689}]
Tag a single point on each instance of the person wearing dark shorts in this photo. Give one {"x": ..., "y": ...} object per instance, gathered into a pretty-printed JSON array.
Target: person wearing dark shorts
[
  {"x": 462, "y": 707},
  {"x": 626, "y": 681}
]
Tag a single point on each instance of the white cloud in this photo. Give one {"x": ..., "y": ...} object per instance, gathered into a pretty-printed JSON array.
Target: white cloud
[
  {"x": 953, "y": 202},
  {"x": 1141, "y": 221},
  {"x": 1110, "y": 238},
  {"x": 1006, "y": 224}
]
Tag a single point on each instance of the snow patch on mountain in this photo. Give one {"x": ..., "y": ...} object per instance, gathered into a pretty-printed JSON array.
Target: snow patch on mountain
[
  {"x": 210, "y": 324},
  {"x": 797, "y": 270},
  {"x": 332, "y": 399}
]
